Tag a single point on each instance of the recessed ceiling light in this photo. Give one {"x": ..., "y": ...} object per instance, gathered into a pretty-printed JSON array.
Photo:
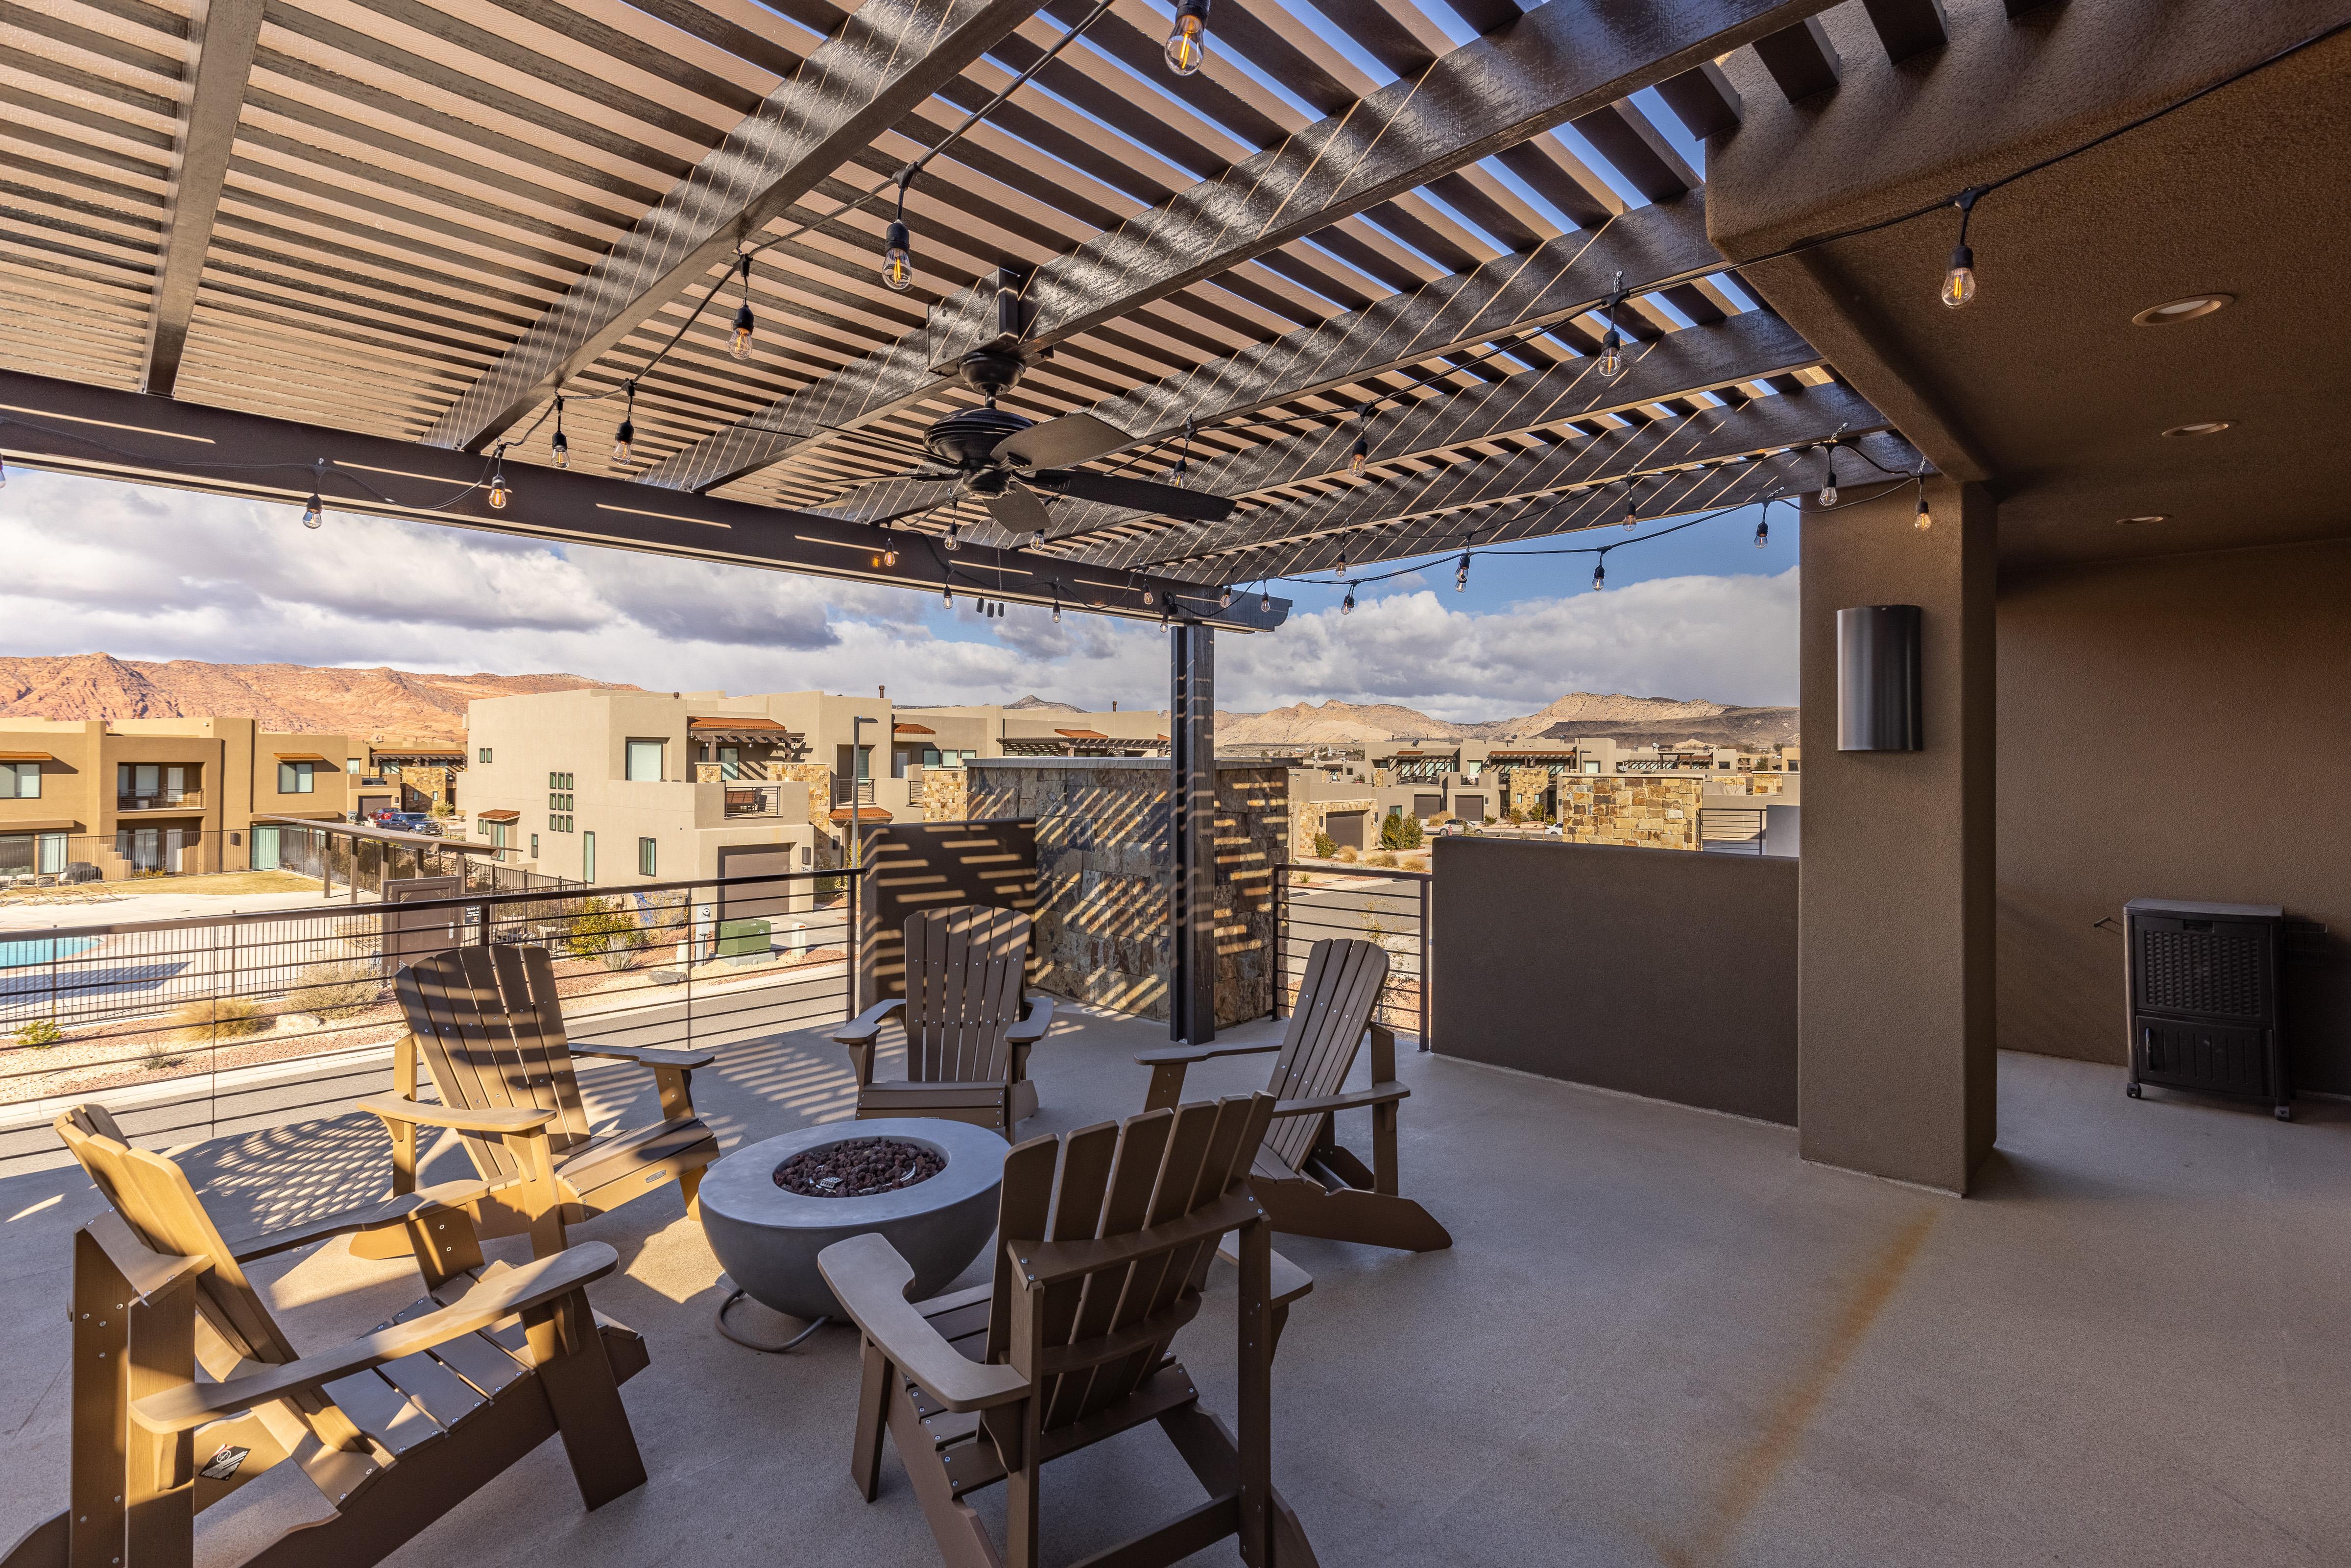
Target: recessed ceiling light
[
  {"x": 2187, "y": 309},
  {"x": 2150, "y": 518},
  {"x": 2201, "y": 427}
]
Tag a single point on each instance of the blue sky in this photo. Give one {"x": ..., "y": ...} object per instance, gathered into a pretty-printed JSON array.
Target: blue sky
[{"x": 148, "y": 574}]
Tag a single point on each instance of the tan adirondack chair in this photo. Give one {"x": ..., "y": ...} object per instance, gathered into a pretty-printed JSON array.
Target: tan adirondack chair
[
  {"x": 969, "y": 1021},
  {"x": 489, "y": 1025},
  {"x": 1307, "y": 1182},
  {"x": 395, "y": 1427},
  {"x": 1105, "y": 1237}
]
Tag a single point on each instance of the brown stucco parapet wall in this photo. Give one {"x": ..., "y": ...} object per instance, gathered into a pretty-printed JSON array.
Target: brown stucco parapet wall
[{"x": 1105, "y": 876}]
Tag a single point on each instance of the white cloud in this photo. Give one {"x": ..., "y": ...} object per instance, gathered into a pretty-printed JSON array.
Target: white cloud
[{"x": 160, "y": 574}]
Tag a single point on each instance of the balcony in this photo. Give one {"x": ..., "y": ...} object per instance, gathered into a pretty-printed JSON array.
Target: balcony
[
  {"x": 162, "y": 801},
  {"x": 753, "y": 800}
]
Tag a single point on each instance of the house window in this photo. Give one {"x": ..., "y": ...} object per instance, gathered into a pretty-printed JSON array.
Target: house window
[
  {"x": 648, "y": 857},
  {"x": 20, "y": 780},
  {"x": 559, "y": 824},
  {"x": 483, "y": 755},
  {"x": 296, "y": 777},
  {"x": 558, "y": 780},
  {"x": 588, "y": 857},
  {"x": 644, "y": 762},
  {"x": 534, "y": 846}
]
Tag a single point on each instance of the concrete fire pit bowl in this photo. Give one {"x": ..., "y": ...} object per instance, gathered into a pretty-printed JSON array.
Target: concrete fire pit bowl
[{"x": 767, "y": 1237}]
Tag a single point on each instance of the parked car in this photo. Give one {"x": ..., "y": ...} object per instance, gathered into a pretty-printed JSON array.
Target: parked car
[{"x": 412, "y": 823}]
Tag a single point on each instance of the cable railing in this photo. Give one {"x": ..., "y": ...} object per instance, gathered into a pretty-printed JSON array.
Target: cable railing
[
  {"x": 271, "y": 1013},
  {"x": 1379, "y": 904}
]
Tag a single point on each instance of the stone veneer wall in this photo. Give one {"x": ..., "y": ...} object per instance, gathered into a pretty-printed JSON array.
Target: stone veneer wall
[
  {"x": 832, "y": 843},
  {"x": 1522, "y": 791},
  {"x": 1309, "y": 817},
  {"x": 1656, "y": 811},
  {"x": 945, "y": 794},
  {"x": 1105, "y": 875}
]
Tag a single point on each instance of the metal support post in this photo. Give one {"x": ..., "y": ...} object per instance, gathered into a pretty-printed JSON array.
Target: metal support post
[{"x": 1192, "y": 757}]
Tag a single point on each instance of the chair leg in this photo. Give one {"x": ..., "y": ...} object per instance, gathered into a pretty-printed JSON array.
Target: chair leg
[
  {"x": 872, "y": 1416},
  {"x": 956, "y": 1525},
  {"x": 580, "y": 1389},
  {"x": 689, "y": 1187}
]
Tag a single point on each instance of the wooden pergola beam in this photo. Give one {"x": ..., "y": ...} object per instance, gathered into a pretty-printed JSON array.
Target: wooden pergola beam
[
  {"x": 888, "y": 58},
  {"x": 1549, "y": 65},
  {"x": 222, "y": 37}
]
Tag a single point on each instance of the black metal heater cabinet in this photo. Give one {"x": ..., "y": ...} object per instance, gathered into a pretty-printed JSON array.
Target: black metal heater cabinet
[{"x": 2204, "y": 999}]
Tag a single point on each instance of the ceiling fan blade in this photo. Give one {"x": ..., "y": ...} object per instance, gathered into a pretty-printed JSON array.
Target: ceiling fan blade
[
  {"x": 1061, "y": 443},
  {"x": 1137, "y": 494},
  {"x": 1017, "y": 511},
  {"x": 886, "y": 500}
]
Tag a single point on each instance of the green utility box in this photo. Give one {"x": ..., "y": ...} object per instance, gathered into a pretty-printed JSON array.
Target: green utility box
[{"x": 743, "y": 939}]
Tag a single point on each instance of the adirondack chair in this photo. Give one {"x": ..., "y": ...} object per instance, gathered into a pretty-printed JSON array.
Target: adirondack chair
[
  {"x": 1307, "y": 1182},
  {"x": 1104, "y": 1237},
  {"x": 395, "y": 1427},
  {"x": 490, "y": 1027},
  {"x": 966, "y": 1038}
]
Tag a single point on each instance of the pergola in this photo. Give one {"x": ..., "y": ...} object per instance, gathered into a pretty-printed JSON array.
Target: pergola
[{"x": 1395, "y": 279}]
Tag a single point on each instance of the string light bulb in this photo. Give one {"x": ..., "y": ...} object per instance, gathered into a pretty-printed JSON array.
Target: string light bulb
[
  {"x": 499, "y": 479},
  {"x": 1347, "y": 605},
  {"x": 1339, "y": 567},
  {"x": 889, "y": 557},
  {"x": 561, "y": 444},
  {"x": 1762, "y": 533},
  {"x": 1925, "y": 520},
  {"x": 1057, "y": 604},
  {"x": 1632, "y": 519},
  {"x": 955, "y": 537},
  {"x": 314, "y": 513},
  {"x": 740, "y": 345},
  {"x": 1612, "y": 362},
  {"x": 1149, "y": 598},
  {"x": 898, "y": 257},
  {"x": 1225, "y": 600},
  {"x": 1960, "y": 280},
  {"x": 625, "y": 437},
  {"x": 1600, "y": 572},
  {"x": 1264, "y": 602},
  {"x": 1461, "y": 573},
  {"x": 1828, "y": 476},
  {"x": 1187, "y": 39}
]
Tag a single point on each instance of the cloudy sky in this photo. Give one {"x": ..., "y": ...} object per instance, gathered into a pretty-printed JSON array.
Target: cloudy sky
[{"x": 143, "y": 573}]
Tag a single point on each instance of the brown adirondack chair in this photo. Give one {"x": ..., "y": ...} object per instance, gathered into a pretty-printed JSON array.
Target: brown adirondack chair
[
  {"x": 395, "y": 1427},
  {"x": 1104, "y": 1237},
  {"x": 490, "y": 1027},
  {"x": 969, "y": 1021},
  {"x": 1307, "y": 1182}
]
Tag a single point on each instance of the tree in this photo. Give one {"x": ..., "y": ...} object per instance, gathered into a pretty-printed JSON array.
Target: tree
[
  {"x": 1399, "y": 831},
  {"x": 1325, "y": 846}
]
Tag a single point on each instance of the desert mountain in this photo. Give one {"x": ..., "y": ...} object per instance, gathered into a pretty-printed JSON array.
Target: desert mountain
[
  {"x": 378, "y": 704},
  {"x": 1033, "y": 701},
  {"x": 1635, "y": 721}
]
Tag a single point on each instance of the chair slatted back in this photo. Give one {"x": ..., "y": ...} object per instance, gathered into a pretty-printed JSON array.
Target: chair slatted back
[
  {"x": 490, "y": 1025},
  {"x": 1108, "y": 1181},
  {"x": 153, "y": 1197},
  {"x": 1335, "y": 998},
  {"x": 965, "y": 969}
]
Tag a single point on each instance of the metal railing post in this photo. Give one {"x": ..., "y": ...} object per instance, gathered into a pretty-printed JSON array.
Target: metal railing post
[
  {"x": 1281, "y": 945},
  {"x": 856, "y": 940},
  {"x": 1423, "y": 955}
]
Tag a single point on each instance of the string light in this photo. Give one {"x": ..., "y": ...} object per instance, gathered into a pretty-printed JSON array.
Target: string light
[
  {"x": 1225, "y": 600},
  {"x": 1149, "y": 598},
  {"x": 1600, "y": 572},
  {"x": 1959, "y": 282},
  {"x": 741, "y": 347},
  {"x": 1461, "y": 573},
  {"x": 561, "y": 444},
  {"x": 1167, "y": 614},
  {"x": 1347, "y": 605},
  {"x": 1183, "y": 457},
  {"x": 1632, "y": 506},
  {"x": 1187, "y": 41},
  {"x": 1763, "y": 533},
  {"x": 947, "y": 595},
  {"x": 955, "y": 535},
  {"x": 625, "y": 437},
  {"x": 1925, "y": 520},
  {"x": 898, "y": 243},
  {"x": 1340, "y": 567},
  {"x": 1264, "y": 602},
  {"x": 498, "y": 478},
  {"x": 1828, "y": 476},
  {"x": 1612, "y": 362},
  {"x": 1057, "y": 604},
  {"x": 1360, "y": 454},
  {"x": 889, "y": 557},
  {"x": 314, "y": 513}
]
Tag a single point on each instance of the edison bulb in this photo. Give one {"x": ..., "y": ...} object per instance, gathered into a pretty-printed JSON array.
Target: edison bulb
[
  {"x": 898, "y": 259},
  {"x": 1188, "y": 43},
  {"x": 1959, "y": 282}
]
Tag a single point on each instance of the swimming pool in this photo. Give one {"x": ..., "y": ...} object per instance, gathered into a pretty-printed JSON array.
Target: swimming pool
[{"x": 41, "y": 950}]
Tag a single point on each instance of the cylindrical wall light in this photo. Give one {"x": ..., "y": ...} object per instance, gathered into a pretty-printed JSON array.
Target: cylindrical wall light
[{"x": 1878, "y": 684}]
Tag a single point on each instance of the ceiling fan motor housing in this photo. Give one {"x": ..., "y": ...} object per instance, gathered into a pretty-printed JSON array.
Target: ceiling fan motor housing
[{"x": 965, "y": 439}]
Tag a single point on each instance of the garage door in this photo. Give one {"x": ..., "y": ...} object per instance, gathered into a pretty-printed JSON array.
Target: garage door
[
  {"x": 1469, "y": 808},
  {"x": 1428, "y": 805},
  {"x": 1346, "y": 829},
  {"x": 755, "y": 902}
]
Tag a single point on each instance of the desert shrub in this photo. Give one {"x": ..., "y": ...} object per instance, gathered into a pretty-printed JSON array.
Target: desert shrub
[
  {"x": 340, "y": 990},
  {"x": 150, "y": 871},
  {"x": 602, "y": 928},
  {"x": 215, "y": 1019},
  {"x": 1399, "y": 831},
  {"x": 1380, "y": 857},
  {"x": 1346, "y": 852},
  {"x": 440, "y": 809},
  {"x": 1325, "y": 846},
  {"x": 1413, "y": 862},
  {"x": 37, "y": 1033}
]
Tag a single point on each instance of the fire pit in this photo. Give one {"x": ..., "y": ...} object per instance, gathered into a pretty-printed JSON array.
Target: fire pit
[{"x": 930, "y": 1186}]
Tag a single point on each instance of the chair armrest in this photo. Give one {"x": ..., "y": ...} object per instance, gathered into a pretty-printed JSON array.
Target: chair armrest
[
  {"x": 871, "y": 1279},
  {"x": 373, "y": 1217},
  {"x": 1168, "y": 1056},
  {"x": 498, "y": 1119},
  {"x": 647, "y": 1055},
  {"x": 1377, "y": 1094},
  {"x": 869, "y": 1023},
  {"x": 1289, "y": 1280},
  {"x": 190, "y": 1404},
  {"x": 1031, "y": 1030}
]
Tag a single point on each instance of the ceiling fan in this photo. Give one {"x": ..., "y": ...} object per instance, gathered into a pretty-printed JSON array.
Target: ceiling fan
[{"x": 1005, "y": 461}]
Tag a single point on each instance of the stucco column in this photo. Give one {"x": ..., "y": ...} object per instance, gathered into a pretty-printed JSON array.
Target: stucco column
[{"x": 1895, "y": 1049}]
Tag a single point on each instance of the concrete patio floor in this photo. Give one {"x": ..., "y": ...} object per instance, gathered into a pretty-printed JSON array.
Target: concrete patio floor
[{"x": 1659, "y": 1338}]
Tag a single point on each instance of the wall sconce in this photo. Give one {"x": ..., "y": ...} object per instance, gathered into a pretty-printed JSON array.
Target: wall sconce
[{"x": 1878, "y": 684}]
